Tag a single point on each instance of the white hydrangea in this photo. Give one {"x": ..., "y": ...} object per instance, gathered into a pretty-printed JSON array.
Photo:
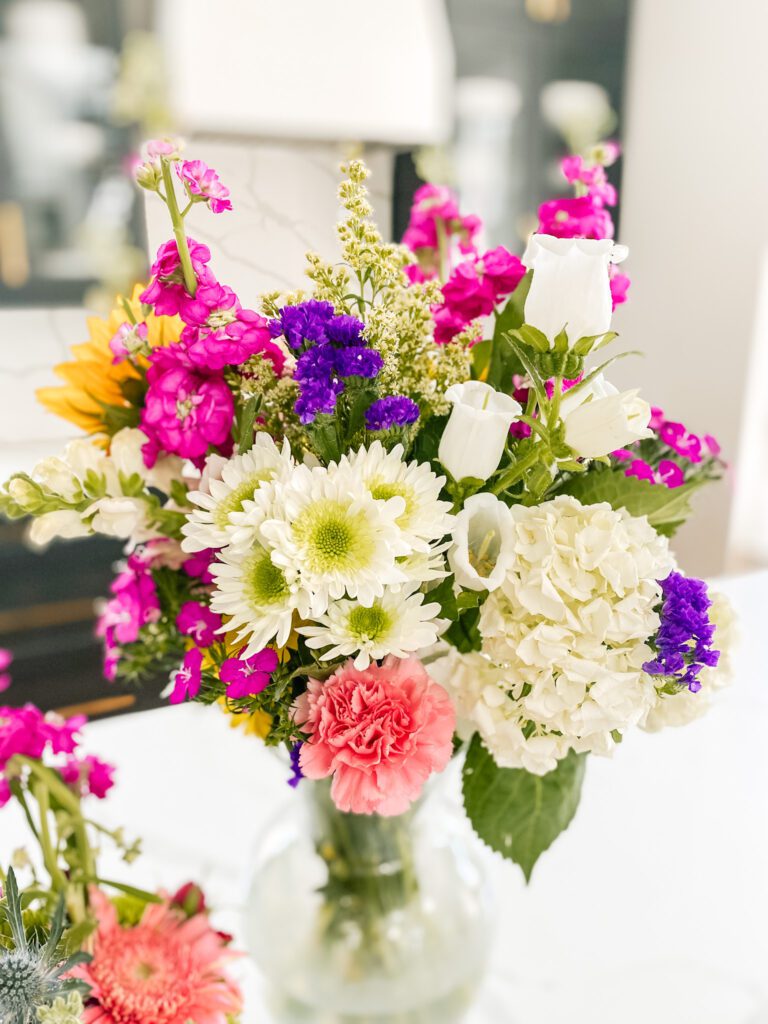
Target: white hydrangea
[
  {"x": 684, "y": 707},
  {"x": 565, "y": 634}
]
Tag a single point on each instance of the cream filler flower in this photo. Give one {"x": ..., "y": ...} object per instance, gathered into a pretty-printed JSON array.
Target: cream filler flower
[
  {"x": 425, "y": 519},
  {"x": 338, "y": 538},
  {"x": 396, "y": 623},
  {"x": 258, "y": 597},
  {"x": 228, "y": 489}
]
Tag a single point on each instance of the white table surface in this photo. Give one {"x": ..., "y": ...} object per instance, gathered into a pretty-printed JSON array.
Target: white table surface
[{"x": 652, "y": 907}]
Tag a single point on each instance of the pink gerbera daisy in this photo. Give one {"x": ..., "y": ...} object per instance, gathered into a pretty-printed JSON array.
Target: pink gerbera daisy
[{"x": 168, "y": 969}]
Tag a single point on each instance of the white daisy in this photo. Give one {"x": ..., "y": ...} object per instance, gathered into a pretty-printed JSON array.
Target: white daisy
[
  {"x": 425, "y": 518},
  {"x": 338, "y": 539},
  {"x": 225, "y": 489},
  {"x": 396, "y": 623},
  {"x": 258, "y": 597}
]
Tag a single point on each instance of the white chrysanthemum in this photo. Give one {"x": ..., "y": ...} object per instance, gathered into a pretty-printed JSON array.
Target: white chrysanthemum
[
  {"x": 258, "y": 597},
  {"x": 397, "y": 623},
  {"x": 569, "y": 624},
  {"x": 424, "y": 566},
  {"x": 425, "y": 519},
  {"x": 684, "y": 707},
  {"x": 340, "y": 540},
  {"x": 485, "y": 703},
  {"x": 227, "y": 489}
]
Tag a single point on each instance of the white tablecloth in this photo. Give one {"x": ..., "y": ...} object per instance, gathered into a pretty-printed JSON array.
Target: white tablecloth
[{"x": 652, "y": 907}]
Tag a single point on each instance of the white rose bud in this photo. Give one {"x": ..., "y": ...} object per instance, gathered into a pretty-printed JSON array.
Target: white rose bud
[
  {"x": 474, "y": 437},
  {"x": 483, "y": 543},
  {"x": 65, "y": 523},
  {"x": 570, "y": 288},
  {"x": 125, "y": 451},
  {"x": 599, "y": 419}
]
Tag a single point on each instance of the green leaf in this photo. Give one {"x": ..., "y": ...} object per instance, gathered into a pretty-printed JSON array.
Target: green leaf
[
  {"x": 517, "y": 814},
  {"x": 131, "y": 890},
  {"x": 481, "y": 358},
  {"x": 503, "y": 361},
  {"x": 247, "y": 419},
  {"x": 666, "y": 507}
]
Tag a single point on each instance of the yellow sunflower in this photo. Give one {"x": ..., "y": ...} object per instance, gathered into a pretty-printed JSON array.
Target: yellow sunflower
[{"x": 93, "y": 381}]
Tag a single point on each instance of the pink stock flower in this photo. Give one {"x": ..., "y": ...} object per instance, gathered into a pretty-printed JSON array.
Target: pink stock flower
[
  {"x": 184, "y": 412},
  {"x": 504, "y": 270},
  {"x": 188, "y": 677},
  {"x": 134, "y": 604},
  {"x": 619, "y": 286},
  {"x": 433, "y": 203},
  {"x": 447, "y": 324},
  {"x": 248, "y": 676},
  {"x": 196, "y": 620},
  {"x": 166, "y": 291},
  {"x": 417, "y": 274},
  {"x": 198, "y": 566},
  {"x": 231, "y": 344},
  {"x": 212, "y": 302},
  {"x": 380, "y": 733},
  {"x": 129, "y": 340},
  {"x": 167, "y": 969},
  {"x": 580, "y": 217},
  {"x": 201, "y": 180},
  {"x": 468, "y": 293},
  {"x": 89, "y": 775},
  {"x": 467, "y": 229},
  {"x": 157, "y": 148},
  {"x": 27, "y": 731},
  {"x": 6, "y": 659}
]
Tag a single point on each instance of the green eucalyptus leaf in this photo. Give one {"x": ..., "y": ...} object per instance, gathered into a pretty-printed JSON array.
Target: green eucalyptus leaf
[{"x": 517, "y": 814}]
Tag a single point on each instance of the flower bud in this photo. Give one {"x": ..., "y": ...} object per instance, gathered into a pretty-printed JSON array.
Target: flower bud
[
  {"x": 598, "y": 418},
  {"x": 25, "y": 492},
  {"x": 474, "y": 437}
]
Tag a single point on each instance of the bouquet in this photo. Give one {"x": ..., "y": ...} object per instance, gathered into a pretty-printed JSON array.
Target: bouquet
[{"x": 397, "y": 516}]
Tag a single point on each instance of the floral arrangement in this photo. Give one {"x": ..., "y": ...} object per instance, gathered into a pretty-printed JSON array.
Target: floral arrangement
[
  {"x": 397, "y": 516},
  {"x": 76, "y": 948}
]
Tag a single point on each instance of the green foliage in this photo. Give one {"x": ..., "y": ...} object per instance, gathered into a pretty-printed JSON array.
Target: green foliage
[
  {"x": 517, "y": 814},
  {"x": 666, "y": 507},
  {"x": 502, "y": 361}
]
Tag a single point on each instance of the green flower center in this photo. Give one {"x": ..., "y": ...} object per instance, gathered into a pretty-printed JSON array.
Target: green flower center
[
  {"x": 369, "y": 624},
  {"x": 265, "y": 583},
  {"x": 336, "y": 539},
  {"x": 235, "y": 499},
  {"x": 384, "y": 491}
]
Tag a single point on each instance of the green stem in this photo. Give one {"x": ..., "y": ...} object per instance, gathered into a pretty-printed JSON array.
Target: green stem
[
  {"x": 554, "y": 405},
  {"x": 128, "y": 311},
  {"x": 50, "y": 853},
  {"x": 516, "y": 472},
  {"x": 177, "y": 220}
]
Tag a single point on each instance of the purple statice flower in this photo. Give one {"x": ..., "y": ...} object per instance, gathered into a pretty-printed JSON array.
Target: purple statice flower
[
  {"x": 358, "y": 361},
  {"x": 296, "y": 773},
  {"x": 345, "y": 330},
  {"x": 393, "y": 411},
  {"x": 684, "y": 640},
  {"x": 303, "y": 323}
]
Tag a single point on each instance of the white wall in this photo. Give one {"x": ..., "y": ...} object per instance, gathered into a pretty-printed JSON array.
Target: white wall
[{"x": 695, "y": 218}]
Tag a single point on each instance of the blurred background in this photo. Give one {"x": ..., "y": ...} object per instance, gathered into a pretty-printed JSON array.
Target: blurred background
[{"x": 485, "y": 95}]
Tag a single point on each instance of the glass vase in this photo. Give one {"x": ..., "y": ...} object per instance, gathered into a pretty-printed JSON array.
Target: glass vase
[{"x": 362, "y": 919}]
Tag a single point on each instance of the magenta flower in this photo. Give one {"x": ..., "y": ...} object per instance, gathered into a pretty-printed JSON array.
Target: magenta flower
[
  {"x": 201, "y": 180},
  {"x": 6, "y": 659},
  {"x": 670, "y": 474},
  {"x": 129, "y": 341},
  {"x": 199, "y": 622},
  {"x": 582, "y": 217},
  {"x": 246, "y": 677},
  {"x": 619, "y": 284},
  {"x": 433, "y": 203},
  {"x": 134, "y": 604},
  {"x": 184, "y": 412},
  {"x": 198, "y": 566},
  {"x": 244, "y": 335},
  {"x": 213, "y": 304},
  {"x": 169, "y": 148},
  {"x": 166, "y": 290},
  {"x": 712, "y": 445},
  {"x": 188, "y": 677},
  {"x": 504, "y": 271},
  {"x": 447, "y": 324},
  {"x": 468, "y": 293},
  {"x": 88, "y": 775},
  {"x": 679, "y": 440}
]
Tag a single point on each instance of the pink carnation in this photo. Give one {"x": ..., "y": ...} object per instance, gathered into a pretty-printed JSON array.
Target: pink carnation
[
  {"x": 201, "y": 180},
  {"x": 197, "y": 621},
  {"x": 184, "y": 412},
  {"x": 380, "y": 733},
  {"x": 246, "y": 677},
  {"x": 167, "y": 969},
  {"x": 582, "y": 217},
  {"x": 188, "y": 677}
]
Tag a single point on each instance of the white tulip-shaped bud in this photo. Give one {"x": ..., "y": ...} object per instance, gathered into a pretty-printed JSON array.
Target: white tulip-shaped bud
[
  {"x": 570, "y": 289},
  {"x": 56, "y": 476},
  {"x": 483, "y": 543},
  {"x": 65, "y": 523},
  {"x": 474, "y": 437},
  {"x": 599, "y": 418}
]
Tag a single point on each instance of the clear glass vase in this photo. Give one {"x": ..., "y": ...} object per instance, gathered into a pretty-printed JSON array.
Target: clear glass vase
[{"x": 360, "y": 919}]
